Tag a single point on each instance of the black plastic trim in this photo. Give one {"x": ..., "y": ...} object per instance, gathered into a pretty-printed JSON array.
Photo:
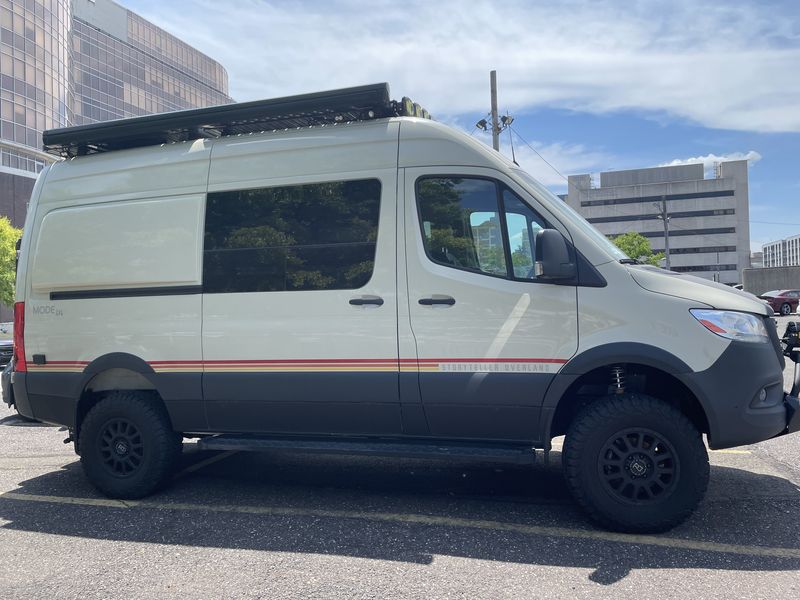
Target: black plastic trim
[
  {"x": 182, "y": 290},
  {"x": 601, "y": 356}
]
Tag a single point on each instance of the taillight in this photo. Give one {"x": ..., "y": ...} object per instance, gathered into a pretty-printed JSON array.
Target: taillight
[{"x": 19, "y": 337}]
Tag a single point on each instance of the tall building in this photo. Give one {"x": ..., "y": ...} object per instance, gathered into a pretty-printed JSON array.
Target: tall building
[
  {"x": 72, "y": 62},
  {"x": 782, "y": 253},
  {"x": 709, "y": 225}
]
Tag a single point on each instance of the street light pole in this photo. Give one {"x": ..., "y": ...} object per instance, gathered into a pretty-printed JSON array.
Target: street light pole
[
  {"x": 495, "y": 123},
  {"x": 664, "y": 216}
]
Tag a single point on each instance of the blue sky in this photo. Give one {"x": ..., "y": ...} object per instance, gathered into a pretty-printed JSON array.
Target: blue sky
[{"x": 593, "y": 86}]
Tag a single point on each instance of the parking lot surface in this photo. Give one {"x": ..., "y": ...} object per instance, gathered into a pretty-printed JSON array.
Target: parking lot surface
[{"x": 277, "y": 525}]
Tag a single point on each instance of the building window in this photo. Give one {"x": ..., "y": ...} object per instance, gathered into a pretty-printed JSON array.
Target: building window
[
  {"x": 704, "y": 250},
  {"x": 673, "y": 215},
  {"x": 681, "y": 232},
  {"x": 688, "y": 196},
  {"x": 697, "y": 268},
  {"x": 318, "y": 236}
]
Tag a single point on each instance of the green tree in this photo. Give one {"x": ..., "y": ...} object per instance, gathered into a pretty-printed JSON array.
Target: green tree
[
  {"x": 8, "y": 255},
  {"x": 637, "y": 246}
]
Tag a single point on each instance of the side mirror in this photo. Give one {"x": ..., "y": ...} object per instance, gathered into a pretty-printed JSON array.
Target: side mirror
[{"x": 553, "y": 257}]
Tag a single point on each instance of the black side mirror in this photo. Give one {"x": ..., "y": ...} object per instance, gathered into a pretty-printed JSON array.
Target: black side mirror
[{"x": 554, "y": 261}]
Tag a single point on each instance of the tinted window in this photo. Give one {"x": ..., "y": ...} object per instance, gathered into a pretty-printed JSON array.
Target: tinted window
[
  {"x": 461, "y": 223},
  {"x": 522, "y": 224},
  {"x": 305, "y": 237},
  {"x": 463, "y": 226}
]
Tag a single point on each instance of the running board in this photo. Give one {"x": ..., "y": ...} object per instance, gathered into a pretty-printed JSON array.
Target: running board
[{"x": 411, "y": 449}]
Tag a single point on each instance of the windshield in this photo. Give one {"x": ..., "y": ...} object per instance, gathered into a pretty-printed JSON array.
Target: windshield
[{"x": 575, "y": 218}]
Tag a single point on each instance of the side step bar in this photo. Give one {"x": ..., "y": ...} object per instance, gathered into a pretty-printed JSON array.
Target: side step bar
[{"x": 411, "y": 449}]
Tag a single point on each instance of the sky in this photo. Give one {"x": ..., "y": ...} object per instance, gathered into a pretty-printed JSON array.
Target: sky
[{"x": 592, "y": 86}]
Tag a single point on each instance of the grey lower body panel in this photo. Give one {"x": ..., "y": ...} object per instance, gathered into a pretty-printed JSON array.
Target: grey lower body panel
[
  {"x": 488, "y": 406},
  {"x": 499, "y": 407},
  {"x": 729, "y": 392},
  {"x": 53, "y": 397},
  {"x": 308, "y": 402}
]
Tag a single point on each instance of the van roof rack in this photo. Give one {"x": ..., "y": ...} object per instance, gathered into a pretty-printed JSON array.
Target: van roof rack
[{"x": 360, "y": 103}]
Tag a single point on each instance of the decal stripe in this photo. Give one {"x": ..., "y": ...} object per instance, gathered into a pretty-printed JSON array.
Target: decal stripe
[{"x": 478, "y": 365}]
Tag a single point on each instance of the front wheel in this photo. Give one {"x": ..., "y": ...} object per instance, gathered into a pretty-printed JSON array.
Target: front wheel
[
  {"x": 127, "y": 444},
  {"x": 786, "y": 309},
  {"x": 635, "y": 463}
]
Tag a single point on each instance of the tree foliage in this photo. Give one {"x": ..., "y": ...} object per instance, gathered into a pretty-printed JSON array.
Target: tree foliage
[
  {"x": 8, "y": 254},
  {"x": 637, "y": 246}
]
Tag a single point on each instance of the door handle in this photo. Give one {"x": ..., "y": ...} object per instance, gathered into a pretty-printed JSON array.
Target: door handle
[
  {"x": 374, "y": 300},
  {"x": 447, "y": 300}
]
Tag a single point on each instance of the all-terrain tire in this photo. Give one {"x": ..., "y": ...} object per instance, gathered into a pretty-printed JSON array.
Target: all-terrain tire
[
  {"x": 127, "y": 446},
  {"x": 635, "y": 463}
]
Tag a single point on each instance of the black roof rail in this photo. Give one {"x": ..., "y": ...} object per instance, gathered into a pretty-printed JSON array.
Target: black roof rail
[{"x": 360, "y": 103}]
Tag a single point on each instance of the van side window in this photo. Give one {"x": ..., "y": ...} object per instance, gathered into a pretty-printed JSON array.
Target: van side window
[
  {"x": 461, "y": 223},
  {"x": 317, "y": 236},
  {"x": 478, "y": 225},
  {"x": 521, "y": 225}
]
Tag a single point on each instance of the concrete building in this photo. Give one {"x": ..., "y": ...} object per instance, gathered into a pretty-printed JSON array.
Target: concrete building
[
  {"x": 72, "y": 62},
  {"x": 782, "y": 253},
  {"x": 709, "y": 229}
]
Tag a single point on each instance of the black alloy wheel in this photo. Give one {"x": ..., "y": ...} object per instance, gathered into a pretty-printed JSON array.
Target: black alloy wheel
[
  {"x": 127, "y": 445},
  {"x": 635, "y": 463},
  {"x": 638, "y": 466},
  {"x": 121, "y": 448}
]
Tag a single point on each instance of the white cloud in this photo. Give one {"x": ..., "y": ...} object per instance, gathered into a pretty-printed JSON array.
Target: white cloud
[
  {"x": 724, "y": 65},
  {"x": 564, "y": 159},
  {"x": 709, "y": 160}
]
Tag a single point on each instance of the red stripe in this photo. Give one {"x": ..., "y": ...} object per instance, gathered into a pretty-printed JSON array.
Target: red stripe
[
  {"x": 362, "y": 361},
  {"x": 332, "y": 361}
]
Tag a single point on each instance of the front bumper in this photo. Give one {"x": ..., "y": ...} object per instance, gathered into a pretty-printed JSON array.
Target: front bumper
[
  {"x": 792, "y": 405},
  {"x": 729, "y": 392}
]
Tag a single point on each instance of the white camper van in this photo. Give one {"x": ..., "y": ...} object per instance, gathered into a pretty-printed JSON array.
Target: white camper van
[{"x": 336, "y": 272}]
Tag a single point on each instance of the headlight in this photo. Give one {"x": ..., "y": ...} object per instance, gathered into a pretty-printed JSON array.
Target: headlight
[{"x": 732, "y": 325}]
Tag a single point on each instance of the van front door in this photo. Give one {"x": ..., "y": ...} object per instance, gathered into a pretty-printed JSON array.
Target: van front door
[
  {"x": 300, "y": 308},
  {"x": 489, "y": 336}
]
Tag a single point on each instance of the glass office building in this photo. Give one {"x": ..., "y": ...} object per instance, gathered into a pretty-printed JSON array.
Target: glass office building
[{"x": 72, "y": 62}]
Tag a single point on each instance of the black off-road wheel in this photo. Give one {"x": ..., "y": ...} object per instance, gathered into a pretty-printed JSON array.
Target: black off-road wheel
[
  {"x": 635, "y": 463},
  {"x": 127, "y": 445}
]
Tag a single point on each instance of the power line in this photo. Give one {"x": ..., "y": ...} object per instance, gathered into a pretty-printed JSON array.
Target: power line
[
  {"x": 522, "y": 139},
  {"x": 775, "y": 223}
]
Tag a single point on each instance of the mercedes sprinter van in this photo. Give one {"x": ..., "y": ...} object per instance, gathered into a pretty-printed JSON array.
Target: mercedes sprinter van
[{"x": 337, "y": 272}]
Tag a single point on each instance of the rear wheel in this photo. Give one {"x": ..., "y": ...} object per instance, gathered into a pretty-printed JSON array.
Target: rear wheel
[
  {"x": 127, "y": 445},
  {"x": 635, "y": 463},
  {"x": 786, "y": 309}
]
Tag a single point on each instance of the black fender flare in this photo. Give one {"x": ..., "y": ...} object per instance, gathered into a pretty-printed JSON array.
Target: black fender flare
[
  {"x": 182, "y": 393},
  {"x": 114, "y": 360},
  {"x": 117, "y": 360},
  {"x": 601, "y": 356}
]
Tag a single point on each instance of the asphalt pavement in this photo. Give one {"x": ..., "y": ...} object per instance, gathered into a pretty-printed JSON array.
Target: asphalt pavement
[{"x": 276, "y": 525}]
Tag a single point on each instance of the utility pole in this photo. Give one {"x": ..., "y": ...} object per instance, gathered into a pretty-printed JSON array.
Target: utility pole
[
  {"x": 495, "y": 123},
  {"x": 664, "y": 216}
]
